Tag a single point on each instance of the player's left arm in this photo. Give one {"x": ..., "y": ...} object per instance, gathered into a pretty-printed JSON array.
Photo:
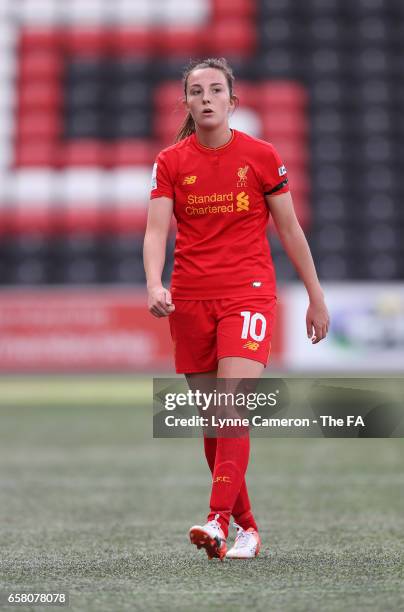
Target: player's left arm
[{"x": 296, "y": 246}]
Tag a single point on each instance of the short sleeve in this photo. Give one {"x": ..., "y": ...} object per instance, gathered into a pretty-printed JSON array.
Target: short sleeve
[
  {"x": 162, "y": 183},
  {"x": 274, "y": 174}
]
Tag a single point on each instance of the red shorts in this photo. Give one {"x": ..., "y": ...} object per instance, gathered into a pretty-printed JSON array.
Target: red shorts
[{"x": 204, "y": 331}]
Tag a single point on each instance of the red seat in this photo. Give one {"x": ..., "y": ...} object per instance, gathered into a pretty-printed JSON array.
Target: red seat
[
  {"x": 24, "y": 219},
  {"x": 35, "y": 153},
  {"x": 247, "y": 93},
  {"x": 282, "y": 94},
  {"x": 40, "y": 64},
  {"x": 81, "y": 219},
  {"x": 39, "y": 95},
  {"x": 166, "y": 127},
  {"x": 130, "y": 219},
  {"x": 82, "y": 152},
  {"x": 88, "y": 41},
  {"x": 296, "y": 170},
  {"x": 168, "y": 96},
  {"x": 293, "y": 152},
  {"x": 299, "y": 180},
  {"x": 279, "y": 123},
  {"x": 42, "y": 38},
  {"x": 233, "y": 38},
  {"x": 39, "y": 124},
  {"x": 131, "y": 153},
  {"x": 97, "y": 220},
  {"x": 133, "y": 41},
  {"x": 233, "y": 8},
  {"x": 182, "y": 42}
]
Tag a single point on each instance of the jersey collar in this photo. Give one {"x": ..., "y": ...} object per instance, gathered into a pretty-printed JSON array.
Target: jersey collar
[{"x": 211, "y": 150}]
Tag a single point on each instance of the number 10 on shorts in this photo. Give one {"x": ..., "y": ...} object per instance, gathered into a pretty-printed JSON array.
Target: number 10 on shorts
[{"x": 250, "y": 325}]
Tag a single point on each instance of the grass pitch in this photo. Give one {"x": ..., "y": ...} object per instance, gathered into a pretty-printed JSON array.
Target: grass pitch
[{"x": 92, "y": 505}]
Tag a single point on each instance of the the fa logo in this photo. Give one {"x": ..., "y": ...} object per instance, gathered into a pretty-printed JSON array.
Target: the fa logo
[
  {"x": 189, "y": 180},
  {"x": 242, "y": 176}
]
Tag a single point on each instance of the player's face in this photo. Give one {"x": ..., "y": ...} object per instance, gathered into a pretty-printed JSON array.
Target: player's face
[{"x": 208, "y": 98}]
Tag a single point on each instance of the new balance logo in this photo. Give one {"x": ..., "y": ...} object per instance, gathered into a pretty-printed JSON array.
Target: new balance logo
[
  {"x": 222, "y": 479},
  {"x": 189, "y": 180},
  {"x": 253, "y": 346},
  {"x": 242, "y": 201}
]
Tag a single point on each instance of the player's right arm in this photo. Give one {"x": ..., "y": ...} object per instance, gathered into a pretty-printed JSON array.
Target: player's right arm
[{"x": 154, "y": 255}]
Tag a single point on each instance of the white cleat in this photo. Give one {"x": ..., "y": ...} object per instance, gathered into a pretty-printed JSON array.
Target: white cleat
[
  {"x": 247, "y": 544},
  {"x": 210, "y": 537}
]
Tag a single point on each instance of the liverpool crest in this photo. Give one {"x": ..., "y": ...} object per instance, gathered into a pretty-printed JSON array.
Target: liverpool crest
[{"x": 242, "y": 176}]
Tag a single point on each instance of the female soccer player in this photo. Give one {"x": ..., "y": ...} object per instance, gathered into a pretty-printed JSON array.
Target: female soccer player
[{"x": 221, "y": 185}]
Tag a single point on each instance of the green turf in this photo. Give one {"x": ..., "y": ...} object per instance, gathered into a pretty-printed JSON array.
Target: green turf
[{"x": 93, "y": 505}]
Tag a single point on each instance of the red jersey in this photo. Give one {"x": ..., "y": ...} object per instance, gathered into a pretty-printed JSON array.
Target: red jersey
[{"x": 221, "y": 247}]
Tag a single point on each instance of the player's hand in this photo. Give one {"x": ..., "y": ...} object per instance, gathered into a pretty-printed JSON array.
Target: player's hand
[
  {"x": 317, "y": 321},
  {"x": 159, "y": 302}
]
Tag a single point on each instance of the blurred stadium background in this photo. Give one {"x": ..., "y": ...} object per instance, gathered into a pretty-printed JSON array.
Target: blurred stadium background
[{"x": 90, "y": 92}]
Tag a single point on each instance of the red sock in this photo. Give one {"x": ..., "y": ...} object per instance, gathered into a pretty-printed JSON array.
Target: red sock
[
  {"x": 230, "y": 466},
  {"x": 242, "y": 508},
  {"x": 210, "y": 452}
]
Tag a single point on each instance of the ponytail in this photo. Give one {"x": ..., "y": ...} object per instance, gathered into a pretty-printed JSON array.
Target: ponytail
[{"x": 187, "y": 128}]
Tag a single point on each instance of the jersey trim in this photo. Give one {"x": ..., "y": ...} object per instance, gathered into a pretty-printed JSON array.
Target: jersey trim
[
  {"x": 213, "y": 150},
  {"x": 154, "y": 196},
  {"x": 277, "y": 188}
]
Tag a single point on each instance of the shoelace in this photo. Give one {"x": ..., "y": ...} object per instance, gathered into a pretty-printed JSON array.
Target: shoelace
[
  {"x": 215, "y": 523},
  {"x": 242, "y": 536}
]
